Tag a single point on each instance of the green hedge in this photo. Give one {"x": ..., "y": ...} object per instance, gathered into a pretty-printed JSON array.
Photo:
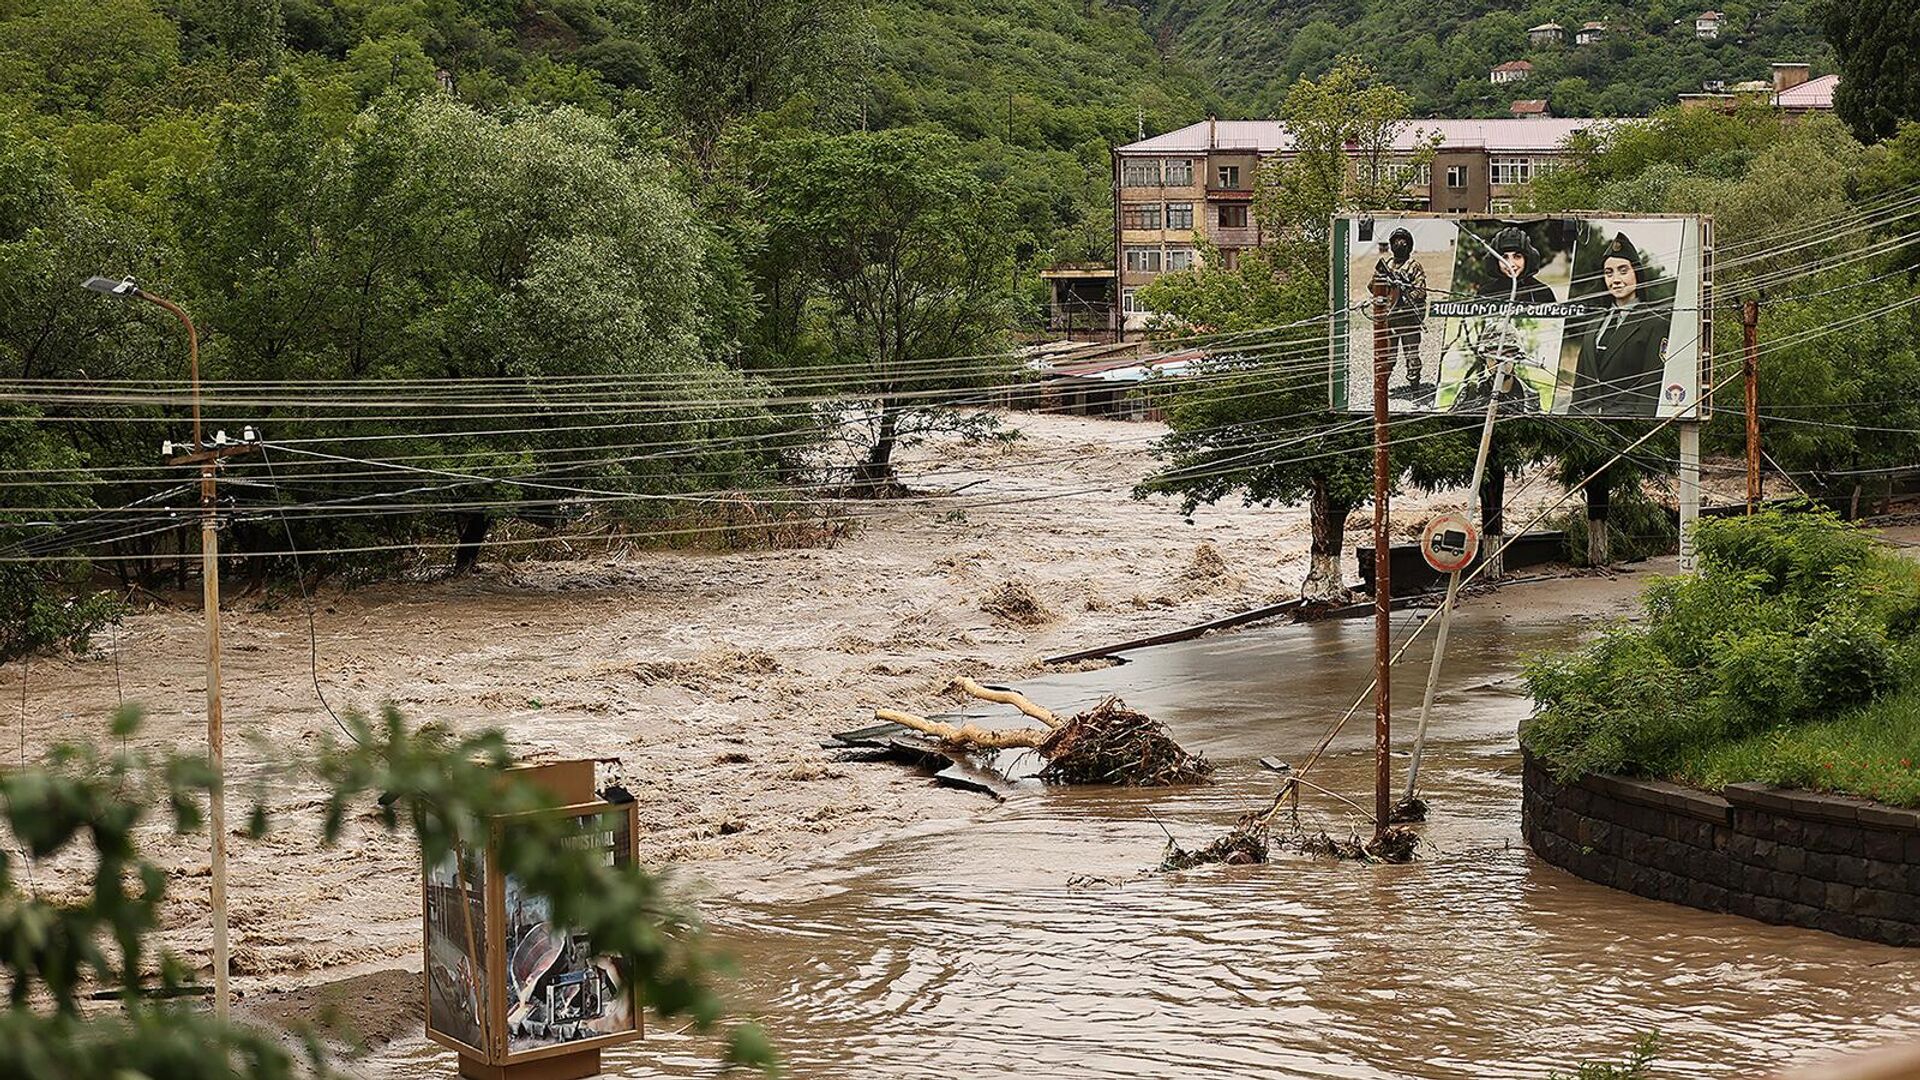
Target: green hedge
[{"x": 1792, "y": 657}]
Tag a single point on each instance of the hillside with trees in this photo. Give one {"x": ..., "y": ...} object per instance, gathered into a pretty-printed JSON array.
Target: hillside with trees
[{"x": 1440, "y": 52}]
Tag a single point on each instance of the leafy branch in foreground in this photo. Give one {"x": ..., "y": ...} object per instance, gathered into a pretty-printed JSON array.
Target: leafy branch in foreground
[{"x": 54, "y": 948}]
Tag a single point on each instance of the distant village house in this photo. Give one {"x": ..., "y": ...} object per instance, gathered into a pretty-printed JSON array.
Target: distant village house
[{"x": 1512, "y": 71}]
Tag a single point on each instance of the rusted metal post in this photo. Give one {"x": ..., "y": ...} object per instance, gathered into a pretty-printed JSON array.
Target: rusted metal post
[
  {"x": 1383, "y": 295},
  {"x": 1750, "y": 369}
]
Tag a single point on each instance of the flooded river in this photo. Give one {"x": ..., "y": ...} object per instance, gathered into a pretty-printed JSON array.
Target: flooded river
[{"x": 1023, "y": 941}]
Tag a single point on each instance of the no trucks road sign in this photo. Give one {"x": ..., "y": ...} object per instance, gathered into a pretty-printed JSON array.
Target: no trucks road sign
[{"x": 1449, "y": 542}]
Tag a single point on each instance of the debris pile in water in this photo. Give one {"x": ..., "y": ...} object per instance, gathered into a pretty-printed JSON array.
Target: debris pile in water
[
  {"x": 1112, "y": 744},
  {"x": 1245, "y": 844},
  {"x": 1107, "y": 744}
]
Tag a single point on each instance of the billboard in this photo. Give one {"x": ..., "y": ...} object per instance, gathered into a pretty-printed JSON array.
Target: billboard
[{"x": 1602, "y": 316}]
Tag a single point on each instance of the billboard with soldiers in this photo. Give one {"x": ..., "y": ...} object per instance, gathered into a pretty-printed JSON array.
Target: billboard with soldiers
[{"x": 1598, "y": 315}]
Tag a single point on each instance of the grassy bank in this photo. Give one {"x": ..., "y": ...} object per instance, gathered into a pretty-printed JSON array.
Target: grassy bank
[{"x": 1792, "y": 657}]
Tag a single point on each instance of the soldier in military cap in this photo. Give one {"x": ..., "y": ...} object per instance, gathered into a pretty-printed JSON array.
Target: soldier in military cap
[
  {"x": 1623, "y": 339},
  {"x": 1515, "y": 266},
  {"x": 1408, "y": 314}
]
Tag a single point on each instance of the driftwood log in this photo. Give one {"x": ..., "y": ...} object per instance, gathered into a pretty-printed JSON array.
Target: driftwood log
[{"x": 1107, "y": 744}]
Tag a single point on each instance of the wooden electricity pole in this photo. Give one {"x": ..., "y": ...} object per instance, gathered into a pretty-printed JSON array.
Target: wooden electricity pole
[
  {"x": 1750, "y": 369},
  {"x": 1383, "y": 296},
  {"x": 208, "y": 456}
]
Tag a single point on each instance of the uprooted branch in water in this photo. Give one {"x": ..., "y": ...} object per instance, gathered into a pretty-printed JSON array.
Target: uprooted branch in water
[{"x": 1107, "y": 744}]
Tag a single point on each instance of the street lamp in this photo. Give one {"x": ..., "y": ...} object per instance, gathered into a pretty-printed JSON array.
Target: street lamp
[{"x": 208, "y": 459}]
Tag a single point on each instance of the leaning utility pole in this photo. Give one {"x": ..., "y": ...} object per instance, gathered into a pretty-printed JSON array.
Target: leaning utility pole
[
  {"x": 208, "y": 456},
  {"x": 1750, "y": 370},
  {"x": 1384, "y": 295}
]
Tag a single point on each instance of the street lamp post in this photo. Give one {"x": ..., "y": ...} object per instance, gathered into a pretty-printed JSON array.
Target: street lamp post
[{"x": 208, "y": 458}]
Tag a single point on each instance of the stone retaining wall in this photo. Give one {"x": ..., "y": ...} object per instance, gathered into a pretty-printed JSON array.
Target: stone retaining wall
[{"x": 1847, "y": 866}]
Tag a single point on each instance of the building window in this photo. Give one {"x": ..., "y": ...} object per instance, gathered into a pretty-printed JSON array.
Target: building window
[
  {"x": 1179, "y": 172},
  {"x": 1179, "y": 258},
  {"x": 1500, "y": 206},
  {"x": 1230, "y": 177},
  {"x": 1233, "y": 216},
  {"x": 1456, "y": 176},
  {"x": 1140, "y": 215},
  {"x": 1179, "y": 215},
  {"x": 1411, "y": 175},
  {"x": 1143, "y": 260},
  {"x": 1511, "y": 170},
  {"x": 1127, "y": 302},
  {"x": 1139, "y": 172},
  {"x": 1229, "y": 258}
]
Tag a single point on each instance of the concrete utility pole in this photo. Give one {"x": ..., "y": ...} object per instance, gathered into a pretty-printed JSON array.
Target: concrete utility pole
[
  {"x": 1384, "y": 295},
  {"x": 208, "y": 456},
  {"x": 1750, "y": 370}
]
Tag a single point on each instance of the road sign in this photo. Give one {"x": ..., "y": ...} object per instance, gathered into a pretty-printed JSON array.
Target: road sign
[{"x": 1449, "y": 542}]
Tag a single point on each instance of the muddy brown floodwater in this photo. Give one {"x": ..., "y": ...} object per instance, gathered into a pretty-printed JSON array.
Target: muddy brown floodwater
[{"x": 977, "y": 948}]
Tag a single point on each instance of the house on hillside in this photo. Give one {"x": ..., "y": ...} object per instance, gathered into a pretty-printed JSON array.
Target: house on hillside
[
  {"x": 1512, "y": 71},
  {"x": 1191, "y": 189},
  {"x": 1592, "y": 33},
  {"x": 1806, "y": 96},
  {"x": 1530, "y": 108},
  {"x": 1546, "y": 34},
  {"x": 1706, "y": 25}
]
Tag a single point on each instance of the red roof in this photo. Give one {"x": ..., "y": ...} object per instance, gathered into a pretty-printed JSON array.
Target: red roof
[
  {"x": 1515, "y": 65},
  {"x": 1530, "y": 107}
]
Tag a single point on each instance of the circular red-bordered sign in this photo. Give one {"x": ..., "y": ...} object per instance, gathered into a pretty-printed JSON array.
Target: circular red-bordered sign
[{"x": 1449, "y": 542}]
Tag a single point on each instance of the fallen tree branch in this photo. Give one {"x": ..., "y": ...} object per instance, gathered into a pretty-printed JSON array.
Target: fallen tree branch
[
  {"x": 1008, "y": 697},
  {"x": 968, "y": 734}
]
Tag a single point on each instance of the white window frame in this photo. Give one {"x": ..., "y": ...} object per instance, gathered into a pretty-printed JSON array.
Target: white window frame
[
  {"x": 1129, "y": 301},
  {"x": 1141, "y": 259},
  {"x": 1457, "y": 172},
  {"x": 1185, "y": 210},
  {"x": 1180, "y": 258},
  {"x": 1178, "y": 172},
  {"x": 1221, "y": 173},
  {"x": 1139, "y": 172},
  {"x": 1505, "y": 171}
]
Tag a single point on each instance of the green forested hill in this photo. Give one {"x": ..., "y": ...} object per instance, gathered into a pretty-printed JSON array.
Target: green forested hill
[{"x": 1441, "y": 50}]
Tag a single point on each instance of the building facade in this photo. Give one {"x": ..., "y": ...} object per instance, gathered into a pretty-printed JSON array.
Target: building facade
[{"x": 1173, "y": 191}]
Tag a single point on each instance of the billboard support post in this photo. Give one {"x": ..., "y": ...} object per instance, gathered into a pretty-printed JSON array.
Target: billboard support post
[
  {"x": 1500, "y": 376},
  {"x": 1689, "y": 489},
  {"x": 1383, "y": 297},
  {"x": 1750, "y": 370}
]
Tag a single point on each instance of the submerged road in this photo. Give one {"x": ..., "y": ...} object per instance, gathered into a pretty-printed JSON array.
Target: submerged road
[{"x": 1023, "y": 942}]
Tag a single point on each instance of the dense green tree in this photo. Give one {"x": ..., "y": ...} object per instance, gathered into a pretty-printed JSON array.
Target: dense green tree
[
  {"x": 1878, "y": 42},
  {"x": 894, "y": 252}
]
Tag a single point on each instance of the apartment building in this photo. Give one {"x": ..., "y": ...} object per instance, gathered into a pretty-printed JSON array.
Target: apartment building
[{"x": 1197, "y": 182}]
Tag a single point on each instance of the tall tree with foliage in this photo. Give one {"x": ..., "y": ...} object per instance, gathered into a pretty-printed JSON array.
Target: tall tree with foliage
[
  {"x": 1878, "y": 42},
  {"x": 892, "y": 251}
]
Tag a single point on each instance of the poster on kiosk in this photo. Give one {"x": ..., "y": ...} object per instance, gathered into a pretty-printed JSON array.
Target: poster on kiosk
[
  {"x": 1601, "y": 316},
  {"x": 510, "y": 989}
]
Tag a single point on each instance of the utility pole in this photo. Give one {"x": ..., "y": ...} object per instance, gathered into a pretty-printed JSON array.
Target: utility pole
[
  {"x": 1384, "y": 294},
  {"x": 1499, "y": 376},
  {"x": 208, "y": 456},
  {"x": 1750, "y": 370}
]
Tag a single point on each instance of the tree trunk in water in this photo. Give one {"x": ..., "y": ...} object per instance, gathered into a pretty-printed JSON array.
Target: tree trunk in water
[
  {"x": 1493, "y": 496},
  {"x": 1329, "y": 520},
  {"x": 875, "y": 475},
  {"x": 1598, "y": 498},
  {"x": 473, "y": 532}
]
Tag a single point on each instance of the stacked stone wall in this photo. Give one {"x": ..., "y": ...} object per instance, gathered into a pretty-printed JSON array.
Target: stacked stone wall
[{"x": 1844, "y": 865}]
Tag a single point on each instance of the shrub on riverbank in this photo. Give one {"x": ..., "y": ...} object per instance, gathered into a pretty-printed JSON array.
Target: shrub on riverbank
[{"x": 1792, "y": 656}]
